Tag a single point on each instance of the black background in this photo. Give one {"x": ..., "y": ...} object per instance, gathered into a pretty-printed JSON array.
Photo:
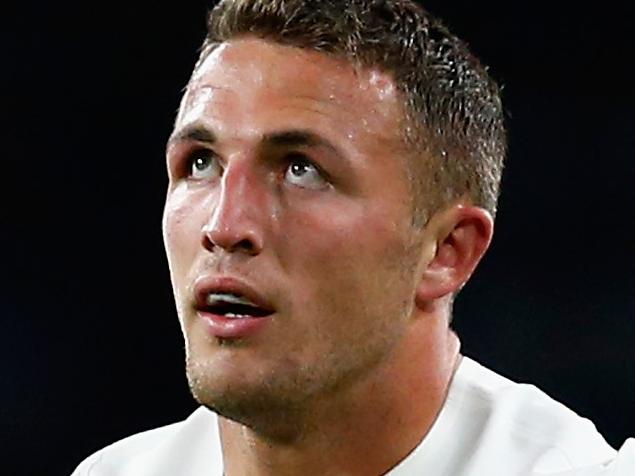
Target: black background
[{"x": 90, "y": 348}]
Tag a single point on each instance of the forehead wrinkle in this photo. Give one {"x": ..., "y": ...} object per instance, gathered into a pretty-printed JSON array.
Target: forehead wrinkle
[{"x": 335, "y": 107}]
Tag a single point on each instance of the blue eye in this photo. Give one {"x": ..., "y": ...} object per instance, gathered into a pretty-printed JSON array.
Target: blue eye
[
  {"x": 304, "y": 174},
  {"x": 204, "y": 165}
]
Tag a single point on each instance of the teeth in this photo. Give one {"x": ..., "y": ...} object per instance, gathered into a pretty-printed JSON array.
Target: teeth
[
  {"x": 231, "y": 315},
  {"x": 215, "y": 298}
]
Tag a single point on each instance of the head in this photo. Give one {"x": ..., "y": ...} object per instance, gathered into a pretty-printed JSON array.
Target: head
[{"x": 338, "y": 166}]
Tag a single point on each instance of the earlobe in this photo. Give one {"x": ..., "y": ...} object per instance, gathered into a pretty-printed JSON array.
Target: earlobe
[{"x": 463, "y": 234}]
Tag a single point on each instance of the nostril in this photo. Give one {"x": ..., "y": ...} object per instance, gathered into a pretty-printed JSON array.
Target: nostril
[
  {"x": 246, "y": 245},
  {"x": 207, "y": 243}
]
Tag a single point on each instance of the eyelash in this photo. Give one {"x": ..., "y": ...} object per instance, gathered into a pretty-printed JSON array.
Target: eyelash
[
  {"x": 185, "y": 169},
  {"x": 190, "y": 156},
  {"x": 299, "y": 157}
]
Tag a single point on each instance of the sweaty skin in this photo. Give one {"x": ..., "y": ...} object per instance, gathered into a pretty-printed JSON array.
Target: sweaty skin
[{"x": 350, "y": 371}]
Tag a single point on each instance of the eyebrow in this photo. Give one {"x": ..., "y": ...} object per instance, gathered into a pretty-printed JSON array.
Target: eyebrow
[
  {"x": 285, "y": 138},
  {"x": 193, "y": 133},
  {"x": 298, "y": 138}
]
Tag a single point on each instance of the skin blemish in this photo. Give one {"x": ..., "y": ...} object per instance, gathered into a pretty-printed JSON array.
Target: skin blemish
[{"x": 384, "y": 86}]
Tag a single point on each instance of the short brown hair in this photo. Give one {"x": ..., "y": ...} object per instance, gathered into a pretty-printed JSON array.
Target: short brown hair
[{"x": 453, "y": 112}]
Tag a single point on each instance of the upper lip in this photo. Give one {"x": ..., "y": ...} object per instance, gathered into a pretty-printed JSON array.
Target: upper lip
[{"x": 205, "y": 285}]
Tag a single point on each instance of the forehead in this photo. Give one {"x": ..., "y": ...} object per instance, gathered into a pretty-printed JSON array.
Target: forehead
[{"x": 255, "y": 84}]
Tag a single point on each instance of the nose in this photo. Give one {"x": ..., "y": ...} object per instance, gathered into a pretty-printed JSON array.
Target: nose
[{"x": 234, "y": 224}]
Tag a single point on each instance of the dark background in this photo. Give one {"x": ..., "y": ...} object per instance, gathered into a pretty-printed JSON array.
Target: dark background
[{"x": 90, "y": 348}]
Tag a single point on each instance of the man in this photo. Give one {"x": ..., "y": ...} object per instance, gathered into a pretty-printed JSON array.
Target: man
[{"x": 334, "y": 171}]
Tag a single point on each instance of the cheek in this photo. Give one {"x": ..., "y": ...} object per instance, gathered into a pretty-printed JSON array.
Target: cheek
[
  {"x": 351, "y": 258},
  {"x": 340, "y": 235},
  {"x": 182, "y": 224}
]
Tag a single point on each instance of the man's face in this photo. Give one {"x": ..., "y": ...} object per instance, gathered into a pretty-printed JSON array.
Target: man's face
[{"x": 288, "y": 187}]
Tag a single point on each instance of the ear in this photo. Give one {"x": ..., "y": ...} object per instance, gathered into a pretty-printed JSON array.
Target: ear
[{"x": 459, "y": 236}]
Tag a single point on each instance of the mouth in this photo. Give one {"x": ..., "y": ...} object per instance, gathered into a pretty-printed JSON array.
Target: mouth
[
  {"x": 231, "y": 309},
  {"x": 233, "y": 306}
]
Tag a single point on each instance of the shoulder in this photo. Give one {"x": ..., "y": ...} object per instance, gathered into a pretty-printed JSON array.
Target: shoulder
[
  {"x": 119, "y": 453},
  {"x": 525, "y": 423},
  {"x": 156, "y": 451},
  {"x": 622, "y": 465}
]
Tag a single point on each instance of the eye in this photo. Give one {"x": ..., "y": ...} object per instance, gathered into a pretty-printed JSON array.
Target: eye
[
  {"x": 203, "y": 164},
  {"x": 302, "y": 173}
]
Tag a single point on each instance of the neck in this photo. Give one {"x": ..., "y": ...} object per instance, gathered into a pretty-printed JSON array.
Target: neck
[{"x": 367, "y": 430}]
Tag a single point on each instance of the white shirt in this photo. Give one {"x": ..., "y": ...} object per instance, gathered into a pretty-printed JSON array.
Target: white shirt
[{"x": 489, "y": 426}]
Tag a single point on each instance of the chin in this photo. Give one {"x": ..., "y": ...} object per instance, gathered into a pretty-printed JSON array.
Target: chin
[{"x": 269, "y": 406}]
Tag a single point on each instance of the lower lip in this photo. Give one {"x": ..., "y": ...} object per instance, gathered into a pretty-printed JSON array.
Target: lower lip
[{"x": 228, "y": 328}]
